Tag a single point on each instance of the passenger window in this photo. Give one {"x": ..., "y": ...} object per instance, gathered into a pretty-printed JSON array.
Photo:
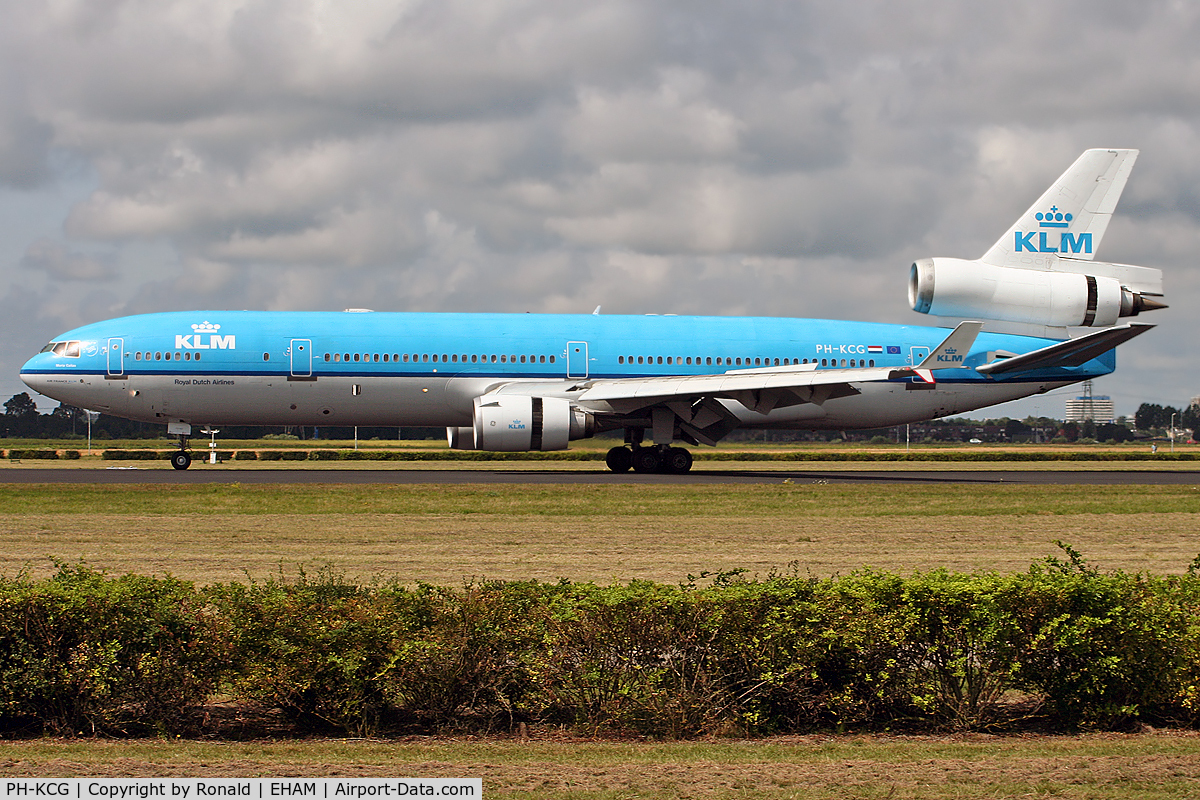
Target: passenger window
[
  {"x": 425, "y": 357},
  {"x": 196, "y": 357},
  {"x": 660, "y": 359},
  {"x": 872, "y": 363},
  {"x": 843, "y": 362},
  {"x": 822, "y": 362},
  {"x": 542, "y": 359},
  {"x": 375, "y": 358},
  {"x": 187, "y": 356},
  {"x": 551, "y": 359},
  {"x": 522, "y": 359},
  {"x": 137, "y": 356}
]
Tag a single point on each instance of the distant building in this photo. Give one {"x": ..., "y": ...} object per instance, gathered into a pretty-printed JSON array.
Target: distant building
[{"x": 1097, "y": 408}]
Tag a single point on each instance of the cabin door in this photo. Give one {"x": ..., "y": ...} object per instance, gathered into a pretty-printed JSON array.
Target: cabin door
[
  {"x": 301, "y": 354},
  {"x": 577, "y": 359},
  {"x": 116, "y": 356}
]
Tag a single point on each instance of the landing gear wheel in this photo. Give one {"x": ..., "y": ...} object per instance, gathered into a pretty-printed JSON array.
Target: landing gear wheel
[
  {"x": 619, "y": 459},
  {"x": 181, "y": 460},
  {"x": 677, "y": 460},
  {"x": 646, "y": 460}
]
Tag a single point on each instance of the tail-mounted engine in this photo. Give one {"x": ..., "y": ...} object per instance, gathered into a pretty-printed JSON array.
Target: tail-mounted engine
[
  {"x": 1066, "y": 293},
  {"x": 515, "y": 423}
]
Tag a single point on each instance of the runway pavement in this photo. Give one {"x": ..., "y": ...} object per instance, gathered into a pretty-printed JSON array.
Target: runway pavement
[{"x": 595, "y": 475}]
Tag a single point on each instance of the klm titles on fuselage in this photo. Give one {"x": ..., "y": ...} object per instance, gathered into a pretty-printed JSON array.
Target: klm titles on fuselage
[
  {"x": 1067, "y": 242},
  {"x": 197, "y": 340}
]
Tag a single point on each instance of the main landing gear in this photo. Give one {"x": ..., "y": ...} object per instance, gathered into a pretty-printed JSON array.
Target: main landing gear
[
  {"x": 182, "y": 459},
  {"x": 656, "y": 459}
]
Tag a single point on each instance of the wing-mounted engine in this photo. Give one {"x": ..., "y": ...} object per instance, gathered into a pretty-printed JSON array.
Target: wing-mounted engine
[
  {"x": 1041, "y": 272},
  {"x": 517, "y": 423}
]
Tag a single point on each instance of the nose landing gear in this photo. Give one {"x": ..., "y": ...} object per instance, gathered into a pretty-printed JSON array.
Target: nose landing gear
[{"x": 182, "y": 459}]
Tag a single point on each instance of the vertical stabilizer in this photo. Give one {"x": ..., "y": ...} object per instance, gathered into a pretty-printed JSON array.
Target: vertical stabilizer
[{"x": 1070, "y": 219}]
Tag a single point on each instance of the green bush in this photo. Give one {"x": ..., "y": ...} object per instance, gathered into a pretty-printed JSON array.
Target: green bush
[
  {"x": 245, "y": 455},
  {"x": 1062, "y": 645},
  {"x": 135, "y": 455},
  {"x": 313, "y": 649},
  {"x": 33, "y": 454},
  {"x": 83, "y": 653}
]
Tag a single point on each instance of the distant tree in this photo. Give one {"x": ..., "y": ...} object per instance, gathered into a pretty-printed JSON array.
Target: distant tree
[
  {"x": 1112, "y": 432},
  {"x": 1014, "y": 428},
  {"x": 20, "y": 406},
  {"x": 1191, "y": 417},
  {"x": 1069, "y": 431},
  {"x": 1147, "y": 416}
]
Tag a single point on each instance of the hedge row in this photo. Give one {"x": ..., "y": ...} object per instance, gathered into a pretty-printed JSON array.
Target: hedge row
[
  {"x": 17, "y": 455},
  {"x": 595, "y": 455},
  {"x": 1060, "y": 645}
]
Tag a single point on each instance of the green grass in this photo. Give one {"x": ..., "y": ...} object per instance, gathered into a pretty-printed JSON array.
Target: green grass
[
  {"x": 1149, "y": 767},
  {"x": 720, "y": 501}
]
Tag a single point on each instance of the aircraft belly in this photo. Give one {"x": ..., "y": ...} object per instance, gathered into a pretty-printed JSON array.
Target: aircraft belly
[{"x": 274, "y": 400}]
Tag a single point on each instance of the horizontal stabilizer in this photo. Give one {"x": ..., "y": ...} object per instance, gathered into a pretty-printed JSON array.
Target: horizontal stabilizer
[{"x": 1071, "y": 353}]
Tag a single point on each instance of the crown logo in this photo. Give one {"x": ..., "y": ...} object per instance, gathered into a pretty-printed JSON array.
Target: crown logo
[
  {"x": 1053, "y": 219},
  {"x": 206, "y": 327}
]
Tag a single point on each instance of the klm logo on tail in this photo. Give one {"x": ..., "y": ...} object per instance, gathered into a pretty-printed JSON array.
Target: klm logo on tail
[{"x": 1067, "y": 242}]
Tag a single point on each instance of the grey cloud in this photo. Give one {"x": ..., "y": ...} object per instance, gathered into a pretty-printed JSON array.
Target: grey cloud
[
  {"x": 59, "y": 263},
  {"x": 665, "y": 156}
]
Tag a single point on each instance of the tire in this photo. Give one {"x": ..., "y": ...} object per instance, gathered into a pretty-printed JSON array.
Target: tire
[
  {"x": 619, "y": 459},
  {"x": 181, "y": 460},
  {"x": 646, "y": 460},
  {"x": 677, "y": 461}
]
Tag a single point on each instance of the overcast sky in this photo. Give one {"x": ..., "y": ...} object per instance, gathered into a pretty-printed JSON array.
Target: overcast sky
[{"x": 765, "y": 158}]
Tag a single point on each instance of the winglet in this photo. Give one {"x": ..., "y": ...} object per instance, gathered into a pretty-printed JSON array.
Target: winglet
[{"x": 954, "y": 348}]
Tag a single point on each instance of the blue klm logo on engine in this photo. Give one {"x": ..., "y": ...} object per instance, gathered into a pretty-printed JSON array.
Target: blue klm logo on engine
[{"x": 1067, "y": 243}]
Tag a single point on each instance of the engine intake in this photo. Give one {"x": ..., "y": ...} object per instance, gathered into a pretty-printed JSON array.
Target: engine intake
[{"x": 515, "y": 423}]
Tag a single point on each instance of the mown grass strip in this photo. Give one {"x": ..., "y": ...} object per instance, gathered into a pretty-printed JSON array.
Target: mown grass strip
[{"x": 779, "y": 500}]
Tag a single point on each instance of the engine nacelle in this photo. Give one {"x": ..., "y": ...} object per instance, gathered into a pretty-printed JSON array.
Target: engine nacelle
[
  {"x": 952, "y": 287},
  {"x": 516, "y": 423}
]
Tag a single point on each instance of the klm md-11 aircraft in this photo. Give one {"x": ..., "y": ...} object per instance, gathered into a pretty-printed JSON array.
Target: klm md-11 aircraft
[{"x": 515, "y": 382}]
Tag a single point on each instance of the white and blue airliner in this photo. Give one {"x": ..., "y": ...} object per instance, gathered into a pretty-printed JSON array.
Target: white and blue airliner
[{"x": 516, "y": 382}]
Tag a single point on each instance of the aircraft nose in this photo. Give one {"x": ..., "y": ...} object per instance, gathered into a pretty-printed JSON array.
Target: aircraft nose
[{"x": 30, "y": 377}]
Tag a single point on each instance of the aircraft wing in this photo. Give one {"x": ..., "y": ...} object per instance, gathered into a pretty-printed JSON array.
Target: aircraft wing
[{"x": 1071, "y": 353}]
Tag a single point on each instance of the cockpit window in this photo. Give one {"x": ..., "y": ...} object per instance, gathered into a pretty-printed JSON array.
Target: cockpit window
[
  {"x": 49, "y": 347},
  {"x": 59, "y": 347},
  {"x": 72, "y": 350}
]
